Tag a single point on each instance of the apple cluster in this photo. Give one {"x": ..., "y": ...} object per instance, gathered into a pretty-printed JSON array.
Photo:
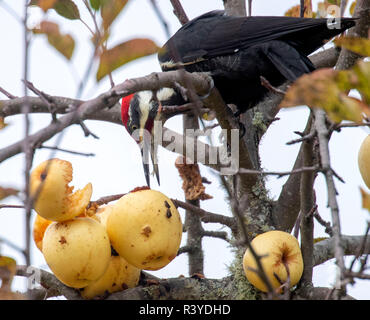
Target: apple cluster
[{"x": 100, "y": 249}]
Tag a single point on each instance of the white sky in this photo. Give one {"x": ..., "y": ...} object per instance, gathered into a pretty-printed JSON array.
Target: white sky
[{"x": 116, "y": 168}]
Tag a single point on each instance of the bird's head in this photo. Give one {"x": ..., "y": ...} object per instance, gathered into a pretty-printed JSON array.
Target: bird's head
[{"x": 138, "y": 112}]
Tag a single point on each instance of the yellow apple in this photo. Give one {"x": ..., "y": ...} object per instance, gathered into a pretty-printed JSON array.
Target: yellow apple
[
  {"x": 119, "y": 276},
  {"x": 77, "y": 251},
  {"x": 54, "y": 198},
  {"x": 364, "y": 160},
  {"x": 278, "y": 250},
  {"x": 145, "y": 228}
]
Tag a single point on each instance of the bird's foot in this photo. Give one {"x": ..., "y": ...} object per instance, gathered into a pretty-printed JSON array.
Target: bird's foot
[
  {"x": 242, "y": 129},
  {"x": 211, "y": 86}
]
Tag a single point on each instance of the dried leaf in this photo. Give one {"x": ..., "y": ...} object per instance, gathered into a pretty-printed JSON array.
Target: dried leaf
[
  {"x": 110, "y": 9},
  {"x": 293, "y": 11},
  {"x": 45, "y": 5},
  {"x": 67, "y": 9},
  {"x": 365, "y": 199},
  {"x": 191, "y": 180},
  {"x": 357, "y": 45},
  {"x": 63, "y": 43},
  {"x": 123, "y": 53},
  {"x": 6, "y": 192}
]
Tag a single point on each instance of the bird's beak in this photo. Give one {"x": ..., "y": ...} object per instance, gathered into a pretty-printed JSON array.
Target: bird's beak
[
  {"x": 145, "y": 149},
  {"x": 145, "y": 167}
]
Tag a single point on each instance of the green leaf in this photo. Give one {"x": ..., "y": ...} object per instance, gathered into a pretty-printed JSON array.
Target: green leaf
[
  {"x": 110, "y": 9},
  {"x": 123, "y": 53},
  {"x": 65, "y": 44},
  {"x": 67, "y": 9},
  {"x": 362, "y": 81},
  {"x": 95, "y": 4}
]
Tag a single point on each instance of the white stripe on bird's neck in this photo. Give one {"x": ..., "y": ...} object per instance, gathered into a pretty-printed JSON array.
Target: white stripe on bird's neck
[{"x": 146, "y": 102}]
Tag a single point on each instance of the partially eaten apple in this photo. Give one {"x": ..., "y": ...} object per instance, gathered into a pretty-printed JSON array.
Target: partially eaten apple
[
  {"x": 53, "y": 197},
  {"x": 280, "y": 256}
]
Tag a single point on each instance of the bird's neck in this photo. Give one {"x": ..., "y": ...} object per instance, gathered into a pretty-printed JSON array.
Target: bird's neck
[{"x": 170, "y": 97}]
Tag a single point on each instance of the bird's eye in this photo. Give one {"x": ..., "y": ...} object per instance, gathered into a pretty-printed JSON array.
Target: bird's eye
[{"x": 133, "y": 127}]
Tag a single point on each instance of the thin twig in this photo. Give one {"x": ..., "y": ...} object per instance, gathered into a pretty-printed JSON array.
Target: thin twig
[
  {"x": 44, "y": 97},
  {"x": 68, "y": 151},
  {"x": 12, "y": 245},
  {"x": 216, "y": 234},
  {"x": 86, "y": 130},
  {"x": 7, "y": 94},
  {"x": 178, "y": 10},
  {"x": 303, "y": 138},
  {"x": 269, "y": 86},
  {"x": 106, "y": 199},
  {"x": 27, "y": 147},
  {"x": 343, "y": 4},
  {"x": 12, "y": 206},
  {"x": 249, "y": 8},
  {"x": 280, "y": 173},
  {"x": 161, "y": 18},
  {"x": 301, "y": 9},
  {"x": 361, "y": 249},
  {"x": 207, "y": 216},
  {"x": 324, "y": 223}
]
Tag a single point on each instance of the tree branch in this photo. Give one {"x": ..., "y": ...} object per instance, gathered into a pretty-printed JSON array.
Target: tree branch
[
  {"x": 154, "y": 81},
  {"x": 322, "y": 134},
  {"x": 49, "y": 282},
  {"x": 325, "y": 249},
  {"x": 207, "y": 216},
  {"x": 307, "y": 203}
]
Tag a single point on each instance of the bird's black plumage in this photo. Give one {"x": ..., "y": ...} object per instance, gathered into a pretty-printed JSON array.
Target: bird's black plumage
[{"x": 238, "y": 50}]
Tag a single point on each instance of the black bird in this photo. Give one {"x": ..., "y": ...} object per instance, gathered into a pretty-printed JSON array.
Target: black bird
[{"x": 236, "y": 52}]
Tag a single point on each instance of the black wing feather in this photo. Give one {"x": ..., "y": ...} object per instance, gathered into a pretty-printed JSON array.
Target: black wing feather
[{"x": 215, "y": 34}]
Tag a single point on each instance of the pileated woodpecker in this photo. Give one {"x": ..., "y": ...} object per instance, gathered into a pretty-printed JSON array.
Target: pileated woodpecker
[{"x": 235, "y": 52}]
